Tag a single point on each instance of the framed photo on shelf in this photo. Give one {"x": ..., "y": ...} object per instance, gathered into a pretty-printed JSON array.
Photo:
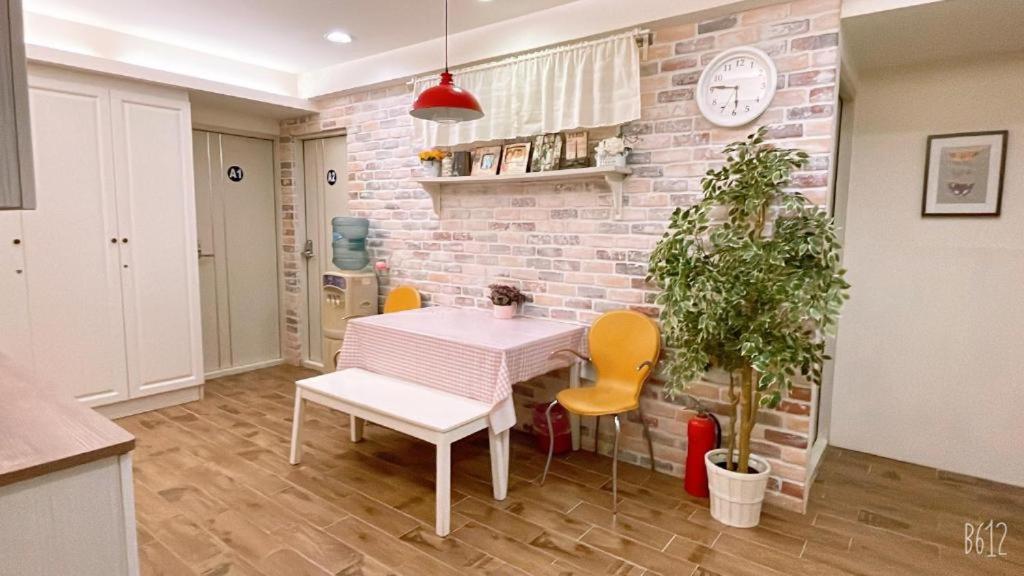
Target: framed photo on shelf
[
  {"x": 462, "y": 163},
  {"x": 577, "y": 153},
  {"x": 486, "y": 160},
  {"x": 516, "y": 158},
  {"x": 547, "y": 152},
  {"x": 963, "y": 174}
]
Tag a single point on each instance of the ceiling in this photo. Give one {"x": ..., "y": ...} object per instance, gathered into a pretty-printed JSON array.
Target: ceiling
[
  {"x": 287, "y": 35},
  {"x": 948, "y": 30}
]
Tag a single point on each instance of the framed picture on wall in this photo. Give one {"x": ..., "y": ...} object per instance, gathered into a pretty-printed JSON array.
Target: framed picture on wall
[
  {"x": 963, "y": 174},
  {"x": 486, "y": 160},
  {"x": 516, "y": 158}
]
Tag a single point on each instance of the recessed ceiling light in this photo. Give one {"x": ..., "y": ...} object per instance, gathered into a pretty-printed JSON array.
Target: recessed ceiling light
[{"x": 338, "y": 37}]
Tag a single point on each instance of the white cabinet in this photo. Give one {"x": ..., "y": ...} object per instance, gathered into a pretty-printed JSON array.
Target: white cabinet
[
  {"x": 14, "y": 330},
  {"x": 109, "y": 253},
  {"x": 72, "y": 261},
  {"x": 156, "y": 215}
]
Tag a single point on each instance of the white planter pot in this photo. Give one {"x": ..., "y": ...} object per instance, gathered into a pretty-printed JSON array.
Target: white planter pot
[
  {"x": 736, "y": 498},
  {"x": 611, "y": 160},
  {"x": 431, "y": 168},
  {"x": 504, "y": 312}
]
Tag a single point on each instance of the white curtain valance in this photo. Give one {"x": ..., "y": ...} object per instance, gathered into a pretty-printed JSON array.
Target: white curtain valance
[{"x": 581, "y": 85}]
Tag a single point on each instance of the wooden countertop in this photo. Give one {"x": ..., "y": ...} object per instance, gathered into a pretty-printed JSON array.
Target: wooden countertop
[{"x": 42, "y": 432}]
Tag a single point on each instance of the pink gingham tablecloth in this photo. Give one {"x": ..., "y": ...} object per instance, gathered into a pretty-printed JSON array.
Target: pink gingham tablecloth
[{"x": 464, "y": 351}]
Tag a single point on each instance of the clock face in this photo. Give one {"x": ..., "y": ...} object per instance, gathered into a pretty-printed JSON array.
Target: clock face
[{"x": 736, "y": 87}]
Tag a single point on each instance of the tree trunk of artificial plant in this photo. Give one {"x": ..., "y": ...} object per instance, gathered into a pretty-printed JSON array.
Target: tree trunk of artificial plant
[
  {"x": 748, "y": 417},
  {"x": 734, "y": 400},
  {"x": 743, "y": 414}
]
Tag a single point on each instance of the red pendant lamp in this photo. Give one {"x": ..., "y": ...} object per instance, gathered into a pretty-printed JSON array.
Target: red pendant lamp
[{"x": 446, "y": 103}]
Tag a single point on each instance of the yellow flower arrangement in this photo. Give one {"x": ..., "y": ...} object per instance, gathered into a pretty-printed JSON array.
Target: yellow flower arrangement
[{"x": 432, "y": 155}]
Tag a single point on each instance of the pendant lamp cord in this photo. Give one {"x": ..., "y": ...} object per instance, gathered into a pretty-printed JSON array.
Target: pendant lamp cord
[{"x": 445, "y": 35}]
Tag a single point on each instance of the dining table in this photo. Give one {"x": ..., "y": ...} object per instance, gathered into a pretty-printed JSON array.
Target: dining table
[{"x": 467, "y": 352}]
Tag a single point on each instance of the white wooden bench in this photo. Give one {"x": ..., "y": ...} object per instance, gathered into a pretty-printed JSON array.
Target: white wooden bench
[{"x": 419, "y": 411}]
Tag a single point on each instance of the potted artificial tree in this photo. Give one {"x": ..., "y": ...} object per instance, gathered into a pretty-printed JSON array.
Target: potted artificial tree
[{"x": 751, "y": 284}]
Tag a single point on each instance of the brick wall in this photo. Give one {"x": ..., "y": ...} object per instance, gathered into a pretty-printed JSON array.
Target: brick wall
[{"x": 558, "y": 241}]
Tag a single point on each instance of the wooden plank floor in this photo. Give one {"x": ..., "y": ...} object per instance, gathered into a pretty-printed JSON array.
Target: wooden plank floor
[{"x": 216, "y": 496}]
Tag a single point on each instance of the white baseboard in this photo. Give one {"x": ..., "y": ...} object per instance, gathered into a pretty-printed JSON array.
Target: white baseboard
[
  {"x": 240, "y": 369},
  {"x": 313, "y": 365},
  {"x": 148, "y": 403},
  {"x": 817, "y": 451}
]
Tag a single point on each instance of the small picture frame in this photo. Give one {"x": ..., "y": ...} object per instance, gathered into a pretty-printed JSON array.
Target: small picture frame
[
  {"x": 515, "y": 158},
  {"x": 963, "y": 174},
  {"x": 462, "y": 163},
  {"x": 577, "y": 153},
  {"x": 547, "y": 153},
  {"x": 486, "y": 160}
]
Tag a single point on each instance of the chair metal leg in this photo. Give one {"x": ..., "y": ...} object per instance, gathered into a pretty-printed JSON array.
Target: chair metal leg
[
  {"x": 615, "y": 469},
  {"x": 551, "y": 441},
  {"x": 647, "y": 433},
  {"x": 597, "y": 433}
]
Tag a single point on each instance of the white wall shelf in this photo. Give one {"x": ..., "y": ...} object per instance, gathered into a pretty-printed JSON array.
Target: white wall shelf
[{"x": 613, "y": 176}]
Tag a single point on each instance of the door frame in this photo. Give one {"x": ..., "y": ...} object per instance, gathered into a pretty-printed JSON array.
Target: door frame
[
  {"x": 821, "y": 395},
  {"x": 299, "y": 178}
]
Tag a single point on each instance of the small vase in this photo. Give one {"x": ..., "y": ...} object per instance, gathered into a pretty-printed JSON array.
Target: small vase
[
  {"x": 431, "y": 169},
  {"x": 611, "y": 160},
  {"x": 504, "y": 312}
]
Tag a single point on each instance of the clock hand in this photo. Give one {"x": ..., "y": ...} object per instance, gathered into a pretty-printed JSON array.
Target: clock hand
[{"x": 724, "y": 87}]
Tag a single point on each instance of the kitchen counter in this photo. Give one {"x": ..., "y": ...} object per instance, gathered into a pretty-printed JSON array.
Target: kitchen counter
[
  {"x": 67, "y": 503},
  {"x": 41, "y": 432}
]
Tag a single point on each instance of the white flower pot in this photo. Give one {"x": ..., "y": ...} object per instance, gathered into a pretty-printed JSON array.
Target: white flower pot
[
  {"x": 431, "y": 168},
  {"x": 504, "y": 312},
  {"x": 736, "y": 498},
  {"x": 611, "y": 160}
]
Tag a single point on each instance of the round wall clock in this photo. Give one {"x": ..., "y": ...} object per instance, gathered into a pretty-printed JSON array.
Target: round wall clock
[{"x": 737, "y": 86}]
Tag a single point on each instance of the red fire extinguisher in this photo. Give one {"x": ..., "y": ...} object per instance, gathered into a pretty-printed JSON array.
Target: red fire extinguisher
[{"x": 703, "y": 433}]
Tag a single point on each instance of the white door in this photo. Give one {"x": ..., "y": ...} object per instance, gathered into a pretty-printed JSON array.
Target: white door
[
  {"x": 237, "y": 230},
  {"x": 15, "y": 337},
  {"x": 246, "y": 186},
  {"x": 325, "y": 176},
  {"x": 71, "y": 245},
  {"x": 157, "y": 224},
  {"x": 212, "y": 298}
]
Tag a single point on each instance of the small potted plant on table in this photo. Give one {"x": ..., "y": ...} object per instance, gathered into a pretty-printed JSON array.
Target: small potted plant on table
[
  {"x": 505, "y": 300},
  {"x": 752, "y": 284}
]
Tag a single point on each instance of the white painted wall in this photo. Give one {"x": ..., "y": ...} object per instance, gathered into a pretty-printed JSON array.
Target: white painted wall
[{"x": 928, "y": 365}]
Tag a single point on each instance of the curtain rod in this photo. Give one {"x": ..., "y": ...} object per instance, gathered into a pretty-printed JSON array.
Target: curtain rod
[{"x": 642, "y": 36}]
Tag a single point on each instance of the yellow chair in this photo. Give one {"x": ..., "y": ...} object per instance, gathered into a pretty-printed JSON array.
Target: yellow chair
[
  {"x": 402, "y": 298},
  {"x": 624, "y": 348}
]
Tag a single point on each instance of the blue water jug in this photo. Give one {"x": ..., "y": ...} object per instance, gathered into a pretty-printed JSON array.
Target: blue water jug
[{"x": 349, "y": 243}]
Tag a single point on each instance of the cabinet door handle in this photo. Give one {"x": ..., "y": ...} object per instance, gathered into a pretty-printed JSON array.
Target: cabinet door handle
[
  {"x": 124, "y": 240},
  {"x": 17, "y": 241},
  {"x": 113, "y": 240}
]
